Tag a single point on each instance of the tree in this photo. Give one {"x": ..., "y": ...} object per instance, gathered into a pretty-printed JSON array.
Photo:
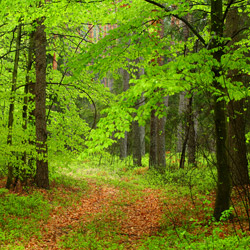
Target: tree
[
  {"x": 216, "y": 46},
  {"x": 124, "y": 141},
  {"x": 137, "y": 132},
  {"x": 157, "y": 157},
  {"x": 42, "y": 174},
  {"x": 11, "y": 166},
  {"x": 28, "y": 114},
  {"x": 236, "y": 127}
]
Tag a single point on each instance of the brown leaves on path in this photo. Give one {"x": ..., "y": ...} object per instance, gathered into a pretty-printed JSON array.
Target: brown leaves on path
[
  {"x": 140, "y": 215},
  {"x": 143, "y": 216}
]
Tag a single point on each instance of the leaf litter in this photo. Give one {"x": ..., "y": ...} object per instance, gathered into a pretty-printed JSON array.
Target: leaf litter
[
  {"x": 137, "y": 219},
  {"x": 131, "y": 215}
]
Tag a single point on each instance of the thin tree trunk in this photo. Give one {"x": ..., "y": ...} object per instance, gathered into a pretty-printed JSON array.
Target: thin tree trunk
[
  {"x": 187, "y": 131},
  {"x": 161, "y": 148},
  {"x": 26, "y": 99},
  {"x": 137, "y": 140},
  {"x": 153, "y": 140},
  {"x": 142, "y": 140},
  {"x": 124, "y": 146},
  {"x": 191, "y": 140},
  {"x": 180, "y": 129},
  {"x": 136, "y": 144},
  {"x": 190, "y": 136},
  {"x": 12, "y": 105},
  {"x": 42, "y": 174},
  {"x": 124, "y": 141}
]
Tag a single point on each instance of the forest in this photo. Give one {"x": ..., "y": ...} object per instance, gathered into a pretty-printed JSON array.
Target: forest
[{"x": 124, "y": 124}]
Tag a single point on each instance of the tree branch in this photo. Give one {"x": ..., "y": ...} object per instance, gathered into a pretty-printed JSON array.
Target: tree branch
[
  {"x": 83, "y": 91},
  {"x": 227, "y": 9},
  {"x": 180, "y": 18}
]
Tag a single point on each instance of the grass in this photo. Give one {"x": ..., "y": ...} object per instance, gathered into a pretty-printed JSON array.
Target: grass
[
  {"x": 93, "y": 205},
  {"x": 20, "y": 216}
]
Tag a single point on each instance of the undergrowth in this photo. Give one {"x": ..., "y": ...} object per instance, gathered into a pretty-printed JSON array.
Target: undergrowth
[
  {"x": 20, "y": 216},
  {"x": 122, "y": 198}
]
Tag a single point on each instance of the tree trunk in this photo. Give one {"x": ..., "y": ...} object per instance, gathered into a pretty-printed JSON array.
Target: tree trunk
[
  {"x": 27, "y": 100},
  {"x": 124, "y": 141},
  {"x": 237, "y": 143},
  {"x": 136, "y": 144},
  {"x": 124, "y": 146},
  {"x": 236, "y": 127},
  {"x": 12, "y": 105},
  {"x": 137, "y": 130},
  {"x": 157, "y": 157},
  {"x": 153, "y": 141},
  {"x": 42, "y": 174},
  {"x": 180, "y": 129},
  {"x": 191, "y": 143},
  {"x": 191, "y": 138},
  {"x": 187, "y": 130},
  {"x": 161, "y": 148},
  {"x": 142, "y": 140},
  {"x": 222, "y": 202}
]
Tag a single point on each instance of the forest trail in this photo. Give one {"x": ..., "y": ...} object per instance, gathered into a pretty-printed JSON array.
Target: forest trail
[{"x": 128, "y": 214}]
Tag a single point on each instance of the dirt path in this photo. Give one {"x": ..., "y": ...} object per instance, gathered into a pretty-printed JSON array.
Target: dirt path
[{"x": 134, "y": 216}]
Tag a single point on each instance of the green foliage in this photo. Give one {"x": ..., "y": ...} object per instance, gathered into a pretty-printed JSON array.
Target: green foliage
[
  {"x": 76, "y": 97},
  {"x": 19, "y": 216},
  {"x": 203, "y": 179},
  {"x": 227, "y": 214},
  {"x": 185, "y": 242}
]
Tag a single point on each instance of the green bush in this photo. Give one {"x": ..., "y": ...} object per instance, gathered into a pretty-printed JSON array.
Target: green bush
[{"x": 203, "y": 179}]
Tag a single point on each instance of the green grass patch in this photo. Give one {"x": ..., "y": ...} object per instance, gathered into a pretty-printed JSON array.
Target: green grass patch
[{"x": 21, "y": 215}]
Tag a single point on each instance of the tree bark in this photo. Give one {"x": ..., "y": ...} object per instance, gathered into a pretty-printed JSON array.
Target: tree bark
[
  {"x": 142, "y": 140},
  {"x": 180, "y": 129},
  {"x": 157, "y": 147},
  {"x": 189, "y": 123},
  {"x": 124, "y": 141},
  {"x": 191, "y": 140},
  {"x": 157, "y": 157},
  {"x": 42, "y": 174},
  {"x": 136, "y": 144},
  {"x": 237, "y": 143},
  {"x": 12, "y": 105},
  {"x": 153, "y": 140},
  {"x": 236, "y": 126},
  {"x": 161, "y": 147},
  {"x": 223, "y": 194},
  {"x": 29, "y": 88},
  {"x": 137, "y": 129}
]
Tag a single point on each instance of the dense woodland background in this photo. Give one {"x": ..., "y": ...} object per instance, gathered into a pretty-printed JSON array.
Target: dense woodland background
[{"x": 158, "y": 86}]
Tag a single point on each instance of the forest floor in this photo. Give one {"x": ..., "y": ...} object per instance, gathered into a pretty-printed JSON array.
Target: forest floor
[
  {"x": 91, "y": 209},
  {"x": 103, "y": 212}
]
